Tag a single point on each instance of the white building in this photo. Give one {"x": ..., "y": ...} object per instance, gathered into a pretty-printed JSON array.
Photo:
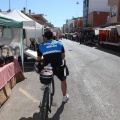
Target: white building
[
  {"x": 64, "y": 28},
  {"x": 93, "y": 5},
  {"x": 68, "y": 22}
]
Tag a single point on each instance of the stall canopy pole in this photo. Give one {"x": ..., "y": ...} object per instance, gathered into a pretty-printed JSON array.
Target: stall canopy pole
[
  {"x": 22, "y": 50},
  {"x": 35, "y": 34}
]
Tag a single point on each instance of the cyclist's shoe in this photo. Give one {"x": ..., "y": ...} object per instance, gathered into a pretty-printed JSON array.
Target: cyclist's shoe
[{"x": 65, "y": 98}]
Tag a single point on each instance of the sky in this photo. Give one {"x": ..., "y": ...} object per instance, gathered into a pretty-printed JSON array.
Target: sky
[{"x": 55, "y": 11}]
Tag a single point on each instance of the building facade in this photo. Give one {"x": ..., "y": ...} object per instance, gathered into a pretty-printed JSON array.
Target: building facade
[
  {"x": 77, "y": 24},
  {"x": 97, "y": 18},
  {"x": 93, "y": 5},
  {"x": 68, "y": 22},
  {"x": 64, "y": 28},
  {"x": 114, "y": 11}
]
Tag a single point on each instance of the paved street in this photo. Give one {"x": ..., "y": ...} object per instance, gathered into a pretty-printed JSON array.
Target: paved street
[{"x": 93, "y": 86}]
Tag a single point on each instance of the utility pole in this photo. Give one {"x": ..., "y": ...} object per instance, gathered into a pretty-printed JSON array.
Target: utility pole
[
  {"x": 9, "y": 6},
  {"x": 26, "y": 6}
]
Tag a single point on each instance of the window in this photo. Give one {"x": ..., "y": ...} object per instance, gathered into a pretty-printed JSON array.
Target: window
[
  {"x": 85, "y": 3},
  {"x": 113, "y": 11}
]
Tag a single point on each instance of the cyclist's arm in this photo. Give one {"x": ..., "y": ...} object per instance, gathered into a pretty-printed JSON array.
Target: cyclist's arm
[
  {"x": 63, "y": 53},
  {"x": 39, "y": 58},
  {"x": 39, "y": 55}
]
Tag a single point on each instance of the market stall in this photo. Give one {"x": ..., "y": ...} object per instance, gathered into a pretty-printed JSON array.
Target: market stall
[{"x": 10, "y": 38}]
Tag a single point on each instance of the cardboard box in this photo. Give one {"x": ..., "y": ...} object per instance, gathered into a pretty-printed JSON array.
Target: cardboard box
[{"x": 3, "y": 96}]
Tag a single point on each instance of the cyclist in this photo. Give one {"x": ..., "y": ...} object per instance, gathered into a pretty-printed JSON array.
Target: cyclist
[{"x": 53, "y": 52}]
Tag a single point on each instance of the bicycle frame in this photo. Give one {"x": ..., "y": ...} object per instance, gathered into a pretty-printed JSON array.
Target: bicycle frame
[
  {"x": 47, "y": 99},
  {"x": 50, "y": 88}
]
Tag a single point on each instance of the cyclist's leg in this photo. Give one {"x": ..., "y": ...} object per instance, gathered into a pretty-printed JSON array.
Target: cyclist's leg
[
  {"x": 64, "y": 87},
  {"x": 64, "y": 90},
  {"x": 60, "y": 74}
]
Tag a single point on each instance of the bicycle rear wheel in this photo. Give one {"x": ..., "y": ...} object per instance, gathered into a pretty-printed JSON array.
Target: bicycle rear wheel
[
  {"x": 52, "y": 92},
  {"x": 45, "y": 105},
  {"x": 52, "y": 87}
]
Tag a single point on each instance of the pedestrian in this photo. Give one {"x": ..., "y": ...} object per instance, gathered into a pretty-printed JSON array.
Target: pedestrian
[
  {"x": 77, "y": 37},
  {"x": 81, "y": 38},
  {"x": 54, "y": 37},
  {"x": 53, "y": 52}
]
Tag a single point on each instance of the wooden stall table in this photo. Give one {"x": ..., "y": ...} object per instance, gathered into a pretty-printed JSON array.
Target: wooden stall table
[{"x": 10, "y": 74}]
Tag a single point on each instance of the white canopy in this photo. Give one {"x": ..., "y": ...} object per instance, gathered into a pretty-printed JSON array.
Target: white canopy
[
  {"x": 27, "y": 22},
  {"x": 32, "y": 28}
]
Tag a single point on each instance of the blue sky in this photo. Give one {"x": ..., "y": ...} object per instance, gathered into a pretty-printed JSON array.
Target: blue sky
[{"x": 55, "y": 11}]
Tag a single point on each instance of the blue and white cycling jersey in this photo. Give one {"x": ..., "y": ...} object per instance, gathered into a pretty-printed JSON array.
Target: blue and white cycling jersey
[
  {"x": 50, "y": 46},
  {"x": 51, "y": 50}
]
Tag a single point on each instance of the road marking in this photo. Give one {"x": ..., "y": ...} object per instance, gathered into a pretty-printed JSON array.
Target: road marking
[{"x": 28, "y": 95}]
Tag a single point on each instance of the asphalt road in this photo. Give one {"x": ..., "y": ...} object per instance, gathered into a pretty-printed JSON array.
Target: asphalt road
[{"x": 93, "y": 86}]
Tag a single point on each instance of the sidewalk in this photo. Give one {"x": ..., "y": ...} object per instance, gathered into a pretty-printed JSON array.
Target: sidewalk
[{"x": 22, "y": 95}]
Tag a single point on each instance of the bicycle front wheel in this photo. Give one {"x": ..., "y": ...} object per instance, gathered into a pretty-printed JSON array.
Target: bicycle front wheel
[{"x": 45, "y": 105}]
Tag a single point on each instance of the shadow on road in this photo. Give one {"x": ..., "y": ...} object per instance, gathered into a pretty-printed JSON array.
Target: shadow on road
[
  {"x": 56, "y": 116},
  {"x": 59, "y": 111},
  {"x": 109, "y": 49}
]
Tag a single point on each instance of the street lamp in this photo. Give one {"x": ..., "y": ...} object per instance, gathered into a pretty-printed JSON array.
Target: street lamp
[{"x": 77, "y": 2}]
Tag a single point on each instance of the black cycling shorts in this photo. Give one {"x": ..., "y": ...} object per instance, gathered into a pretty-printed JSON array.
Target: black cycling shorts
[{"x": 61, "y": 72}]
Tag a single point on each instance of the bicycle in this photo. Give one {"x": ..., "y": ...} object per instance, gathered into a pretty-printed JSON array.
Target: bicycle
[{"x": 46, "y": 78}]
